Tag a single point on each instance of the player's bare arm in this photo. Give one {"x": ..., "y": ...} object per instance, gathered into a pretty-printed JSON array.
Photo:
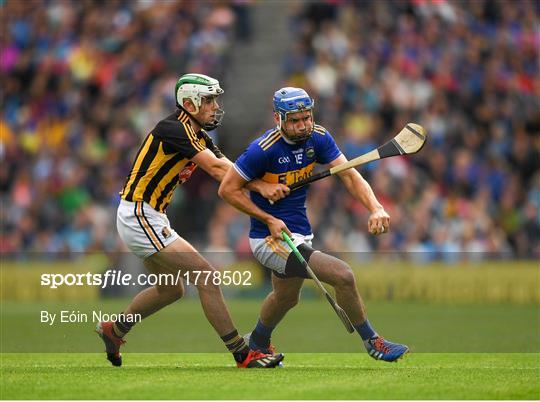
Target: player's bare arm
[
  {"x": 270, "y": 191},
  {"x": 215, "y": 167},
  {"x": 232, "y": 190},
  {"x": 359, "y": 188},
  {"x": 218, "y": 167}
]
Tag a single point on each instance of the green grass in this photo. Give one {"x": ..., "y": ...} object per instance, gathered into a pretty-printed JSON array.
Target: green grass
[
  {"x": 305, "y": 376},
  {"x": 459, "y": 352},
  {"x": 311, "y": 327}
]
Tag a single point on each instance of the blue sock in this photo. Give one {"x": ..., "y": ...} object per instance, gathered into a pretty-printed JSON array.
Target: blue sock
[
  {"x": 365, "y": 330},
  {"x": 260, "y": 337}
]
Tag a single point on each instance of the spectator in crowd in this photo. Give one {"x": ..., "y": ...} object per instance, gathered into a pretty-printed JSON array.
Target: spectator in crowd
[
  {"x": 79, "y": 91},
  {"x": 469, "y": 72}
]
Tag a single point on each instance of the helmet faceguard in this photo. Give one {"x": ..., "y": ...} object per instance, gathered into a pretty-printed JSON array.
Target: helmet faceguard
[
  {"x": 292, "y": 100},
  {"x": 195, "y": 87}
]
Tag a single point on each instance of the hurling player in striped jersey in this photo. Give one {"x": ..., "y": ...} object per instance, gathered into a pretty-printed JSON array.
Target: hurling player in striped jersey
[{"x": 171, "y": 151}]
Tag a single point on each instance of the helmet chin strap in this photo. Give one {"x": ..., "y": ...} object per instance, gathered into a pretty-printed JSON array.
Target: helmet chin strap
[
  {"x": 217, "y": 121},
  {"x": 288, "y": 138},
  {"x": 208, "y": 126},
  {"x": 285, "y": 136}
]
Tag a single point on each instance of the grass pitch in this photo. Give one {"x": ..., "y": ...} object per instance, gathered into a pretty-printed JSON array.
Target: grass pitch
[
  {"x": 305, "y": 376},
  {"x": 459, "y": 352},
  {"x": 311, "y": 327}
]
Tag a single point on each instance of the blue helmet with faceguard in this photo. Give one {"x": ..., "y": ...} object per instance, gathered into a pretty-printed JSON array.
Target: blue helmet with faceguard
[{"x": 292, "y": 100}]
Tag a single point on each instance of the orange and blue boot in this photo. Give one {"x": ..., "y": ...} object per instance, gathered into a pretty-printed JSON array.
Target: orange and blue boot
[{"x": 381, "y": 349}]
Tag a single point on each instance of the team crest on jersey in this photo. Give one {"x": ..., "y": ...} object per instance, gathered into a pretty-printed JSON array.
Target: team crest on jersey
[
  {"x": 186, "y": 172},
  {"x": 165, "y": 232},
  {"x": 310, "y": 152}
]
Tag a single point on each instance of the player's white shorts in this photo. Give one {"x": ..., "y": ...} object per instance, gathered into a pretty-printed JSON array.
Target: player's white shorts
[
  {"x": 273, "y": 253},
  {"x": 143, "y": 229}
]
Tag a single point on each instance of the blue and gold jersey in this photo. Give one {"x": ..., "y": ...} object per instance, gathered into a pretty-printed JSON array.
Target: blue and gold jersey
[{"x": 275, "y": 160}]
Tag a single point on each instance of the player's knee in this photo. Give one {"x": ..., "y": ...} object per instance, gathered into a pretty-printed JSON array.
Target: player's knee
[
  {"x": 288, "y": 301},
  {"x": 178, "y": 292},
  {"x": 172, "y": 293},
  {"x": 209, "y": 282},
  {"x": 345, "y": 276}
]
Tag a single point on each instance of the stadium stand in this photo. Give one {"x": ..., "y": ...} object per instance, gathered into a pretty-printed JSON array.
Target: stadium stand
[{"x": 80, "y": 91}]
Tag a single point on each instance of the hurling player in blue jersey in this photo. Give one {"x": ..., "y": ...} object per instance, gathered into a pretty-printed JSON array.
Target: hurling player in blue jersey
[{"x": 285, "y": 154}]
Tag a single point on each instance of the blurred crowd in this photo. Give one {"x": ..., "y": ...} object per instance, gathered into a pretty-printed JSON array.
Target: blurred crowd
[
  {"x": 84, "y": 81},
  {"x": 469, "y": 72}
]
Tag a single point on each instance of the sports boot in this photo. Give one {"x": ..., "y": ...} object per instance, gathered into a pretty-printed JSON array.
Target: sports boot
[
  {"x": 112, "y": 342},
  {"x": 381, "y": 349},
  {"x": 256, "y": 359}
]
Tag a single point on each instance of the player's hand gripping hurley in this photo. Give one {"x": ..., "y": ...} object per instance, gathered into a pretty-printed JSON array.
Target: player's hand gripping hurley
[
  {"x": 409, "y": 141},
  {"x": 339, "y": 311}
]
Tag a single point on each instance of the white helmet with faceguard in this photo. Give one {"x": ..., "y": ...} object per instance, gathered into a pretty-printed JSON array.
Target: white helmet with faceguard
[{"x": 195, "y": 87}]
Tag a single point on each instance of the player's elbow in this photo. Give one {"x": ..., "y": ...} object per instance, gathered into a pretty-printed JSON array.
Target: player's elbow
[
  {"x": 224, "y": 190},
  {"x": 230, "y": 188}
]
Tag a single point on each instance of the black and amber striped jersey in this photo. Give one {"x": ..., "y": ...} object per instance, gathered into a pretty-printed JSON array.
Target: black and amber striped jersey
[{"x": 163, "y": 161}]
